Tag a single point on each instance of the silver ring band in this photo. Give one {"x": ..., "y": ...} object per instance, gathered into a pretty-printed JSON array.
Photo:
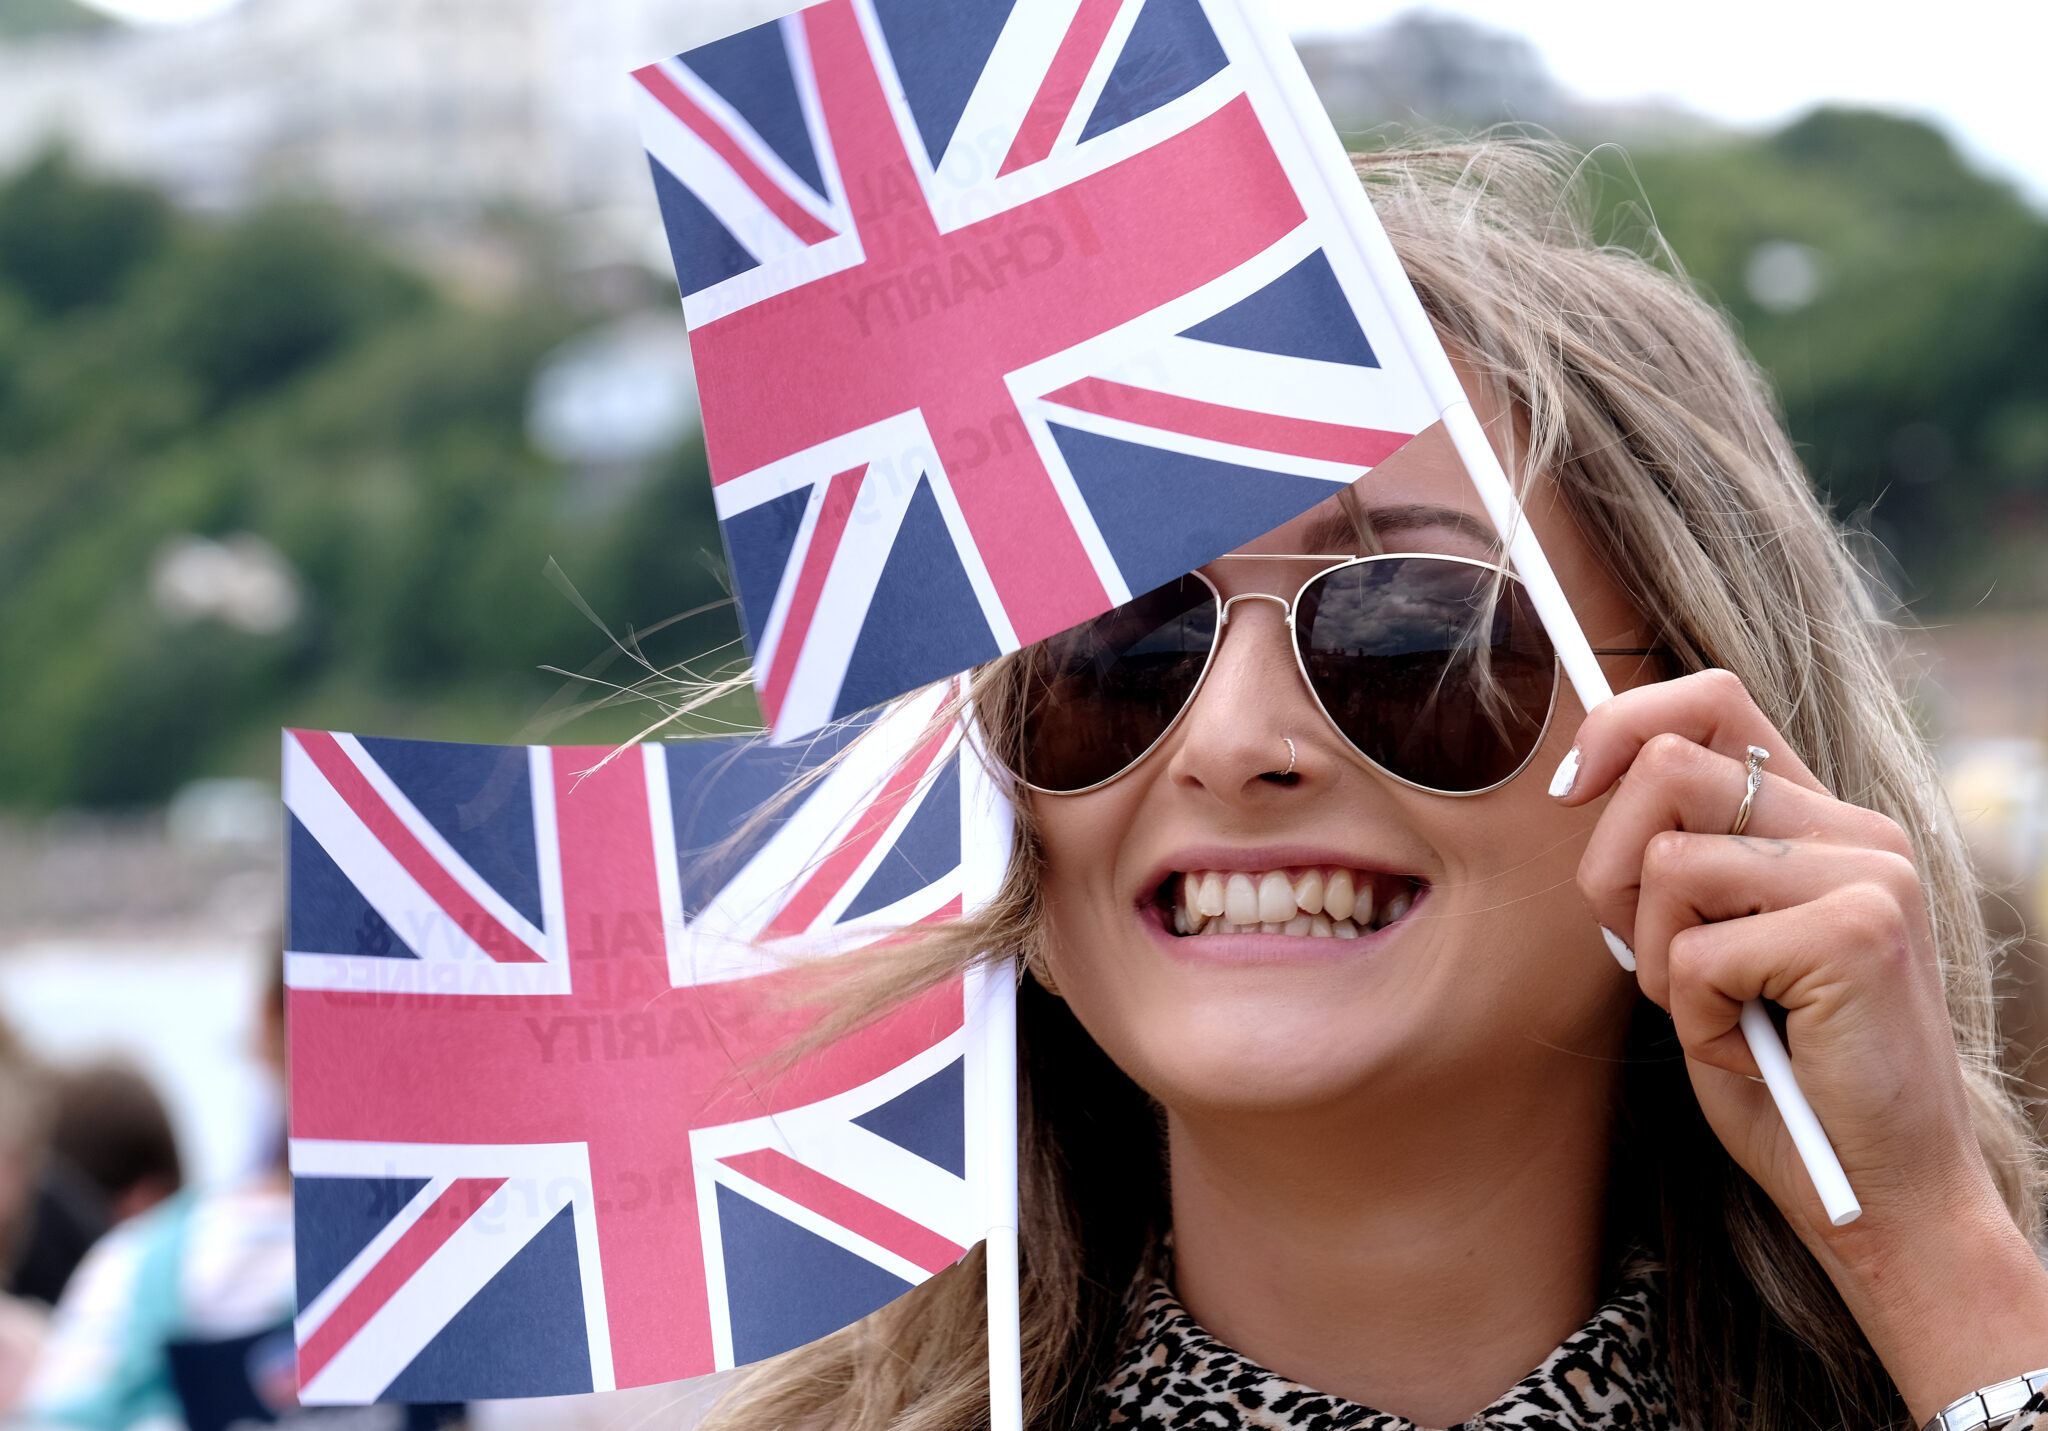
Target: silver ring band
[
  {"x": 1757, "y": 756},
  {"x": 1290, "y": 757}
]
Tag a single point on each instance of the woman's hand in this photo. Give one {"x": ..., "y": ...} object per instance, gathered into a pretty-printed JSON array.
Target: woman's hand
[{"x": 1817, "y": 908}]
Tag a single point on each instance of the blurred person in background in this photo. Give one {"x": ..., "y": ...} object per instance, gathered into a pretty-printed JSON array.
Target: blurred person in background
[
  {"x": 109, "y": 1123},
  {"x": 200, "y": 1266},
  {"x": 112, "y": 1154},
  {"x": 22, "y": 1323}
]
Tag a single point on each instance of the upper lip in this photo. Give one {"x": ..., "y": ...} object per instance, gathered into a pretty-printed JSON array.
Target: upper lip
[{"x": 1257, "y": 859}]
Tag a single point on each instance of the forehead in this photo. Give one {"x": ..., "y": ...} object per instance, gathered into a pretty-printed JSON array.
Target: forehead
[{"x": 1419, "y": 497}]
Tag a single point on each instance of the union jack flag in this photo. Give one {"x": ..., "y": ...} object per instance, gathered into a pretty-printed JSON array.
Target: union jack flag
[
  {"x": 1004, "y": 311},
  {"x": 535, "y": 1146}
]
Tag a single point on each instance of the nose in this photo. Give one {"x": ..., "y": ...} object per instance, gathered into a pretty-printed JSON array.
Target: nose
[{"x": 1234, "y": 739}]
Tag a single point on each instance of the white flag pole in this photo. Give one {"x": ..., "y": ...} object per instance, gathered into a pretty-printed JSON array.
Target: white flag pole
[
  {"x": 1419, "y": 337},
  {"x": 999, "y": 1214},
  {"x": 990, "y": 823}
]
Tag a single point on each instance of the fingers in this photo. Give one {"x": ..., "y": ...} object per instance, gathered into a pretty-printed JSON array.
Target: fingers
[
  {"x": 1714, "y": 964},
  {"x": 1838, "y": 916},
  {"x": 1677, "y": 785},
  {"x": 1711, "y": 709}
]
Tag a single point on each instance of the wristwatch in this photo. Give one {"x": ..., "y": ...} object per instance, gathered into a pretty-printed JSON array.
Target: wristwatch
[{"x": 1993, "y": 1406}]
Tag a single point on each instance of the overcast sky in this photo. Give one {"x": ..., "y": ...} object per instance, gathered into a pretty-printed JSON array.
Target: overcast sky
[{"x": 1972, "y": 65}]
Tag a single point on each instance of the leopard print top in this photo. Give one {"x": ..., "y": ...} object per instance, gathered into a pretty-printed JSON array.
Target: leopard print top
[
  {"x": 1176, "y": 1377},
  {"x": 1608, "y": 1376}
]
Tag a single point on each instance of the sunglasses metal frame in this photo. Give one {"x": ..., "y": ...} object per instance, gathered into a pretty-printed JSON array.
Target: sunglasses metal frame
[{"x": 1336, "y": 562}]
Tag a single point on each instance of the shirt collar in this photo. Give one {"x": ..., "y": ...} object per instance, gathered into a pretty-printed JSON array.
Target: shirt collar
[{"x": 1606, "y": 1376}]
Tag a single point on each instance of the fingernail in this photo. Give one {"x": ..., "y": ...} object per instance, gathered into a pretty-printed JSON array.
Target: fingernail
[
  {"x": 1567, "y": 776},
  {"x": 1623, "y": 955}
]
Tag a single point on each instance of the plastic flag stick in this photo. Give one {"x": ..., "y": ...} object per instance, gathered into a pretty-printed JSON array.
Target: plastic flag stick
[
  {"x": 994, "y": 994},
  {"x": 1005, "y": 1325}
]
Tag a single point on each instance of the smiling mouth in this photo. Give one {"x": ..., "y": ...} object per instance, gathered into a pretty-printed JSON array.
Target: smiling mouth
[{"x": 1319, "y": 902}]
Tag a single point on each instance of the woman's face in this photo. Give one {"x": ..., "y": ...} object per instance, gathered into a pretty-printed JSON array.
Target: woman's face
[{"x": 1478, "y": 962}]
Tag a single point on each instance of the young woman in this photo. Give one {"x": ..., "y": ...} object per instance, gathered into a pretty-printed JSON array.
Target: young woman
[{"x": 1367, "y": 1065}]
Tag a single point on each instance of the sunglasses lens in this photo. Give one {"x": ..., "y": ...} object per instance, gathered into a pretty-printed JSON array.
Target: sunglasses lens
[
  {"x": 1096, "y": 698},
  {"x": 1438, "y": 671}
]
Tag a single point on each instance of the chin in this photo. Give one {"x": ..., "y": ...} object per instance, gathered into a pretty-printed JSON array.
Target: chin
[{"x": 1264, "y": 1044}]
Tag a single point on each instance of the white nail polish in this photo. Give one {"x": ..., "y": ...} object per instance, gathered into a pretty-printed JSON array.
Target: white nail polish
[
  {"x": 1623, "y": 955},
  {"x": 1567, "y": 776}
]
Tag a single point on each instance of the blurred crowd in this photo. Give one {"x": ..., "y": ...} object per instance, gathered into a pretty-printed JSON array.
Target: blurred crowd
[{"x": 133, "y": 1299}]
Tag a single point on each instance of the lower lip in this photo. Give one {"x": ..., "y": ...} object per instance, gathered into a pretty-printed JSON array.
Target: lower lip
[{"x": 1269, "y": 948}]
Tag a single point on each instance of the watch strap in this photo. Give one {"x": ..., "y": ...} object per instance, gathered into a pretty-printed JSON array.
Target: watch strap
[{"x": 1992, "y": 1407}]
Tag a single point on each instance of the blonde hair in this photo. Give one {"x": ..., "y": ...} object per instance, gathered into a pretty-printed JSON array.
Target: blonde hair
[{"x": 1663, "y": 440}]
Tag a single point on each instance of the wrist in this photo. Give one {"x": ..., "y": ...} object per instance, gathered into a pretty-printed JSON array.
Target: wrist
[{"x": 1951, "y": 1302}]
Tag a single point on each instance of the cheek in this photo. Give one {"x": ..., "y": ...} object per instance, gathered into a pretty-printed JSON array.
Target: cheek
[
  {"x": 1080, "y": 838},
  {"x": 1512, "y": 929}
]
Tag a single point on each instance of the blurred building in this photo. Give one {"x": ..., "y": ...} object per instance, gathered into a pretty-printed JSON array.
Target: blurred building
[
  {"x": 404, "y": 110},
  {"x": 1439, "y": 66},
  {"x": 1987, "y": 703},
  {"x": 1429, "y": 68},
  {"x": 414, "y": 110}
]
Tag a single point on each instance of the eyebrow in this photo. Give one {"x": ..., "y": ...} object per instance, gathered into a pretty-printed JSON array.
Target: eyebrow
[{"x": 1334, "y": 531}]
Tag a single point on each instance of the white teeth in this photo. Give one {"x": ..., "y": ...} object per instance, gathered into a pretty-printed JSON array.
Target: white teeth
[
  {"x": 1276, "y": 899},
  {"x": 1308, "y": 892},
  {"x": 1241, "y": 900},
  {"x": 1317, "y": 903},
  {"x": 1340, "y": 897}
]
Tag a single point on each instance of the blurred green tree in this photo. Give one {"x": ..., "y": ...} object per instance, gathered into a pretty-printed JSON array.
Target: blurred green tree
[
  {"x": 278, "y": 384},
  {"x": 26, "y": 19},
  {"x": 1899, "y": 299},
  {"x": 248, "y": 309},
  {"x": 67, "y": 241}
]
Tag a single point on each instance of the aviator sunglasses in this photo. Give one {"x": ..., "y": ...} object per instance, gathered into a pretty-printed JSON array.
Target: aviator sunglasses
[{"x": 1436, "y": 669}]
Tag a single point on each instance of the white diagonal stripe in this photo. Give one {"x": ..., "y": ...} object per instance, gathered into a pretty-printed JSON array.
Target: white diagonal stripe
[
  {"x": 1003, "y": 94},
  {"x": 444, "y": 854},
  {"x": 742, "y": 134},
  {"x": 413, "y": 915},
  {"x": 698, "y": 167}
]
